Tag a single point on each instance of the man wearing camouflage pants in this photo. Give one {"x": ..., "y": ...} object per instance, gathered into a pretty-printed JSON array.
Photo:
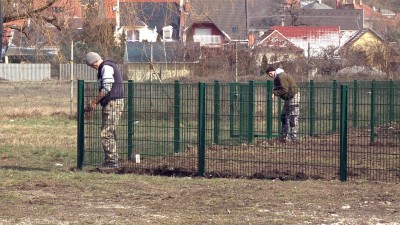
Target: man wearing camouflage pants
[
  {"x": 286, "y": 88},
  {"x": 110, "y": 97}
]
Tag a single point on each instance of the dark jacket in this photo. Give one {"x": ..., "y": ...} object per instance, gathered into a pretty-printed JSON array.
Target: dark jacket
[
  {"x": 284, "y": 86},
  {"x": 117, "y": 90}
]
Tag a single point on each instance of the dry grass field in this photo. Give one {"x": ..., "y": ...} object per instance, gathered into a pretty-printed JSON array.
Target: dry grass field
[{"x": 40, "y": 185}]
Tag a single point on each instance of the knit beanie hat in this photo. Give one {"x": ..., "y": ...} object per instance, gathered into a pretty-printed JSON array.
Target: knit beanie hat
[
  {"x": 91, "y": 58},
  {"x": 269, "y": 69}
]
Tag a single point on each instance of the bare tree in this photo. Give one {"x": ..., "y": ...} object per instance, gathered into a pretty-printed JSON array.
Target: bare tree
[{"x": 38, "y": 24}]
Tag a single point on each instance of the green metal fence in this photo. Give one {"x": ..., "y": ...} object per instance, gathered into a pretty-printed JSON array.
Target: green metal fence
[{"x": 347, "y": 130}]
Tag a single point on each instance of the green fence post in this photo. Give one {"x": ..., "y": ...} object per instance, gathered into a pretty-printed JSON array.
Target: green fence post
[
  {"x": 343, "y": 134},
  {"x": 269, "y": 109},
  {"x": 312, "y": 108},
  {"x": 177, "y": 117},
  {"x": 334, "y": 106},
  {"x": 355, "y": 104},
  {"x": 201, "y": 129},
  {"x": 250, "y": 118},
  {"x": 372, "y": 128},
  {"x": 80, "y": 126},
  {"x": 130, "y": 119},
  {"x": 217, "y": 99},
  {"x": 391, "y": 101}
]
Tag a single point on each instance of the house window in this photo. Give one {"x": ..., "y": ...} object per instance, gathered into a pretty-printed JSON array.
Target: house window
[
  {"x": 202, "y": 31},
  {"x": 234, "y": 29},
  {"x": 58, "y": 9},
  {"x": 167, "y": 32},
  {"x": 132, "y": 35},
  {"x": 204, "y": 36}
]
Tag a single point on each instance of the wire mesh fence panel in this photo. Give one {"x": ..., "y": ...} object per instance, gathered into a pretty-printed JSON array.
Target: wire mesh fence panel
[
  {"x": 162, "y": 124},
  {"x": 374, "y": 138},
  {"x": 37, "y": 99},
  {"x": 248, "y": 144}
]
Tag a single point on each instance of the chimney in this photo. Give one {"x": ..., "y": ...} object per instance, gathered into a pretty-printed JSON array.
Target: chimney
[
  {"x": 251, "y": 39},
  {"x": 361, "y": 2},
  {"x": 187, "y": 6},
  {"x": 337, "y": 4}
]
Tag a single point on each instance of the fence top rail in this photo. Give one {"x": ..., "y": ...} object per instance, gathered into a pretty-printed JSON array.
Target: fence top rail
[{"x": 317, "y": 84}]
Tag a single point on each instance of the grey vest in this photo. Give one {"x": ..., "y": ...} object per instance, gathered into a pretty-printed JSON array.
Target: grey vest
[{"x": 117, "y": 90}]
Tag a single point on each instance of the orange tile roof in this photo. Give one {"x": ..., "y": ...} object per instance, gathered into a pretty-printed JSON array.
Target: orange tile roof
[{"x": 109, "y": 4}]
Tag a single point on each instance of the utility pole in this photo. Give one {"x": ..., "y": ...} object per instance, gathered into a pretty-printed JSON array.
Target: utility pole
[
  {"x": 72, "y": 79},
  {"x": 236, "y": 61},
  {"x": 117, "y": 18}
]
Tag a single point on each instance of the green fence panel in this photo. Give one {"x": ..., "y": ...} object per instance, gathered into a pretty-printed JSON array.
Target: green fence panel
[
  {"x": 372, "y": 127},
  {"x": 244, "y": 112},
  {"x": 228, "y": 129},
  {"x": 233, "y": 98}
]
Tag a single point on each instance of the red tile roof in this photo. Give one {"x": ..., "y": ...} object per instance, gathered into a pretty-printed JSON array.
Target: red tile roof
[
  {"x": 274, "y": 39},
  {"x": 7, "y": 29},
  {"x": 300, "y": 31}
]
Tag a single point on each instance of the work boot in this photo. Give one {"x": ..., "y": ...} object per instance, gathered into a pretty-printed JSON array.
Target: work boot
[
  {"x": 284, "y": 140},
  {"x": 110, "y": 164}
]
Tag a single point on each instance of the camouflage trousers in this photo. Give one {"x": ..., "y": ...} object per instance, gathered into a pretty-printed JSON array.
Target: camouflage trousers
[
  {"x": 289, "y": 117},
  {"x": 111, "y": 113}
]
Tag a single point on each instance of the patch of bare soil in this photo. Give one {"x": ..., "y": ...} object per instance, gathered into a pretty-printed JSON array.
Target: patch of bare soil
[{"x": 316, "y": 157}]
